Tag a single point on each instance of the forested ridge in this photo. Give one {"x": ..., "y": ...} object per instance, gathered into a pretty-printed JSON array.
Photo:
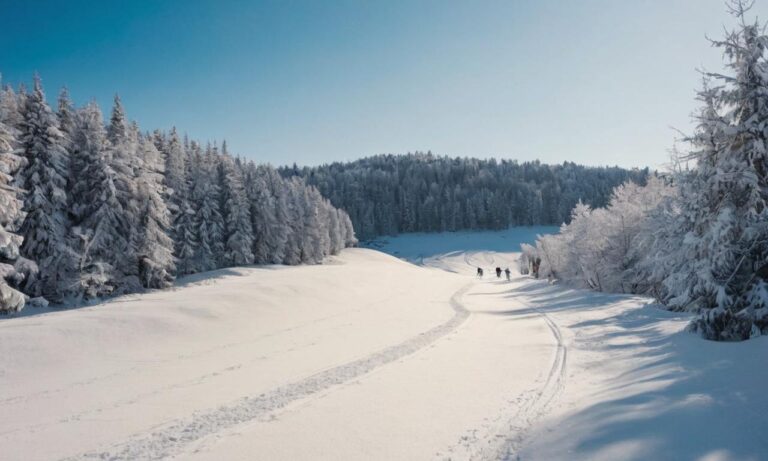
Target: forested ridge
[
  {"x": 89, "y": 209},
  {"x": 423, "y": 192}
]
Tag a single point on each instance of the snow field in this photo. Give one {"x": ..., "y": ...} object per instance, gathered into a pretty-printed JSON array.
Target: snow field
[{"x": 370, "y": 357}]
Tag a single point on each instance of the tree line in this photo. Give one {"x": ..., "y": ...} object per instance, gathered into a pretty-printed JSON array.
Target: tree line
[
  {"x": 696, "y": 239},
  {"x": 422, "y": 192},
  {"x": 89, "y": 209}
]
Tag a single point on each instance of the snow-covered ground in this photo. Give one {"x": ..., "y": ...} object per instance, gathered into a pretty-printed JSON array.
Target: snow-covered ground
[{"x": 370, "y": 357}]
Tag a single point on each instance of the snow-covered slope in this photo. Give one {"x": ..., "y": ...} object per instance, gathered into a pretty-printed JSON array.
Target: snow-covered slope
[{"x": 370, "y": 357}]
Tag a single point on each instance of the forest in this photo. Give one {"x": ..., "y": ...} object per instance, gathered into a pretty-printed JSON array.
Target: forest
[
  {"x": 89, "y": 209},
  {"x": 423, "y": 192}
]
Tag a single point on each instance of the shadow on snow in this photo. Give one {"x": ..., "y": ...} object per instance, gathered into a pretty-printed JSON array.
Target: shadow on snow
[{"x": 675, "y": 381}]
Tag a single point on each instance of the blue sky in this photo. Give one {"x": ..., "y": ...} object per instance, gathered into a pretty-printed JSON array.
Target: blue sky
[{"x": 595, "y": 82}]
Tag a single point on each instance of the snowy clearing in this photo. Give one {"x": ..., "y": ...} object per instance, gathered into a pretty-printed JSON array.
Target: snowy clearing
[{"x": 370, "y": 357}]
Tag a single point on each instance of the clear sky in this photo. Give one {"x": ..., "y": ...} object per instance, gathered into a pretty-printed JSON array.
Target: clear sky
[{"x": 594, "y": 82}]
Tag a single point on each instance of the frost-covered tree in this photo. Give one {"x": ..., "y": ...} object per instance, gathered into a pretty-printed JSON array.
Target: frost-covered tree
[
  {"x": 125, "y": 163},
  {"x": 67, "y": 118},
  {"x": 44, "y": 180},
  {"x": 295, "y": 220},
  {"x": 722, "y": 259},
  {"x": 183, "y": 230},
  {"x": 349, "y": 231},
  {"x": 237, "y": 215},
  {"x": 335, "y": 230},
  {"x": 154, "y": 246},
  {"x": 314, "y": 240},
  {"x": 266, "y": 238},
  {"x": 11, "y": 300},
  {"x": 10, "y": 108},
  {"x": 99, "y": 219},
  {"x": 604, "y": 248},
  {"x": 205, "y": 197}
]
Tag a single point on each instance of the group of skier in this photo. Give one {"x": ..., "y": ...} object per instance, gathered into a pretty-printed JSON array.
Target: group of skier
[{"x": 498, "y": 272}]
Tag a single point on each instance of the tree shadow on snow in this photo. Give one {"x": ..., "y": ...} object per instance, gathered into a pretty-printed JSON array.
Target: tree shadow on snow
[{"x": 681, "y": 398}]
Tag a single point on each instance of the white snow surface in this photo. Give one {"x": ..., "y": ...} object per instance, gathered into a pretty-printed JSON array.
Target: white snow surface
[{"x": 371, "y": 357}]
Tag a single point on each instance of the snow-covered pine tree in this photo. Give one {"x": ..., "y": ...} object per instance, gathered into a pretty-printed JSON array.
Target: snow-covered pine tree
[
  {"x": 349, "y": 231},
  {"x": 182, "y": 213},
  {"x": 154, "y": 246},
  {"x": 238, "y": 235},
  {"x": 283, "y": 230},
  {"x": 10, "y": 108},
  {"x": 43, "y": 179},
  {"x": 266, "y": 239},
  {"x": 99, "y": 220},
  {"x": 314, "y": 242},
  {"x": 725, "y": 200},
  {"x": 294, "y": 219},
  {"x": 11, "y": 300},
  {"x": 124, "y": 162},
  {"x": 66, "y": 115},
  {"x": 335, "y": 230},
  {"x": 205, "y": 198}
]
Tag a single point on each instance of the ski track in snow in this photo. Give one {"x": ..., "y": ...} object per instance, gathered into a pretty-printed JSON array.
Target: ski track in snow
[
  {"x": 172, "y": 438},
  {"x": 501, "y": 437},
  {"x": 539, "y": 403}
]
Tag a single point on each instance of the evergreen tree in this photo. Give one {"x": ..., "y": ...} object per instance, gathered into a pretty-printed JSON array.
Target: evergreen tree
[
  {"x": 67, "y": 121},
  {"x": 725, "y": 201},
  {"x": 11, "y": 300},
  {"x": 43, "y": 179},
  {"x": 124, "y": 162},
  {"x": 100, "y": 220},
  {"x": 10, "y": 109},
  {"x": 206, "y": 198},
  {"x": 183, "y": 232},
  {"x": 154, "y": 246},
  {"x": 266, "y": 238},
  {"x": 237, "y": 217}
]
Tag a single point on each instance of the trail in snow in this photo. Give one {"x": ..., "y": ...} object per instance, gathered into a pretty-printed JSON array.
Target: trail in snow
[
  {"x": 167, "y": 441},
  {"x": 501, "y": 436},
  {"x": 539, "y": 404},
  {"x": 483, "y": 374}
]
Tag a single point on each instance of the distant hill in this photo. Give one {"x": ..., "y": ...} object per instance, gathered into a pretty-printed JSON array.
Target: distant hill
[{"x": 423, "y": 192}]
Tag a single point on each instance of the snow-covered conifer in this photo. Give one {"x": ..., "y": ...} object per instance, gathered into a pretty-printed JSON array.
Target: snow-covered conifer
[
  {"x": 236, "y": 211},
  {"x": 154, "y": 246},
  {"x": 11, "y": 300},
  {"x": 182, "y": 213},
  {"x": 43, "y": 179},
  {"x": 124, "y": 161},
  {"x": 99, "y": 219},
  {"x": 205, "y": 197},
  {"x": 725, "y": 200}
]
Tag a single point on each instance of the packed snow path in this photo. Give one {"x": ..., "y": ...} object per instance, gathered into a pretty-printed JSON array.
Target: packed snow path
[{"x": 368, "y": 357}]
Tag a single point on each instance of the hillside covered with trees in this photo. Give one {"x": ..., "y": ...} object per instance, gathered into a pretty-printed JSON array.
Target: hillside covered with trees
[{"x": 422, "y": 192}]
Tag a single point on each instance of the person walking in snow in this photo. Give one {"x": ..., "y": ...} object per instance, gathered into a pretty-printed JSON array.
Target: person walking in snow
[
  {"x": 506, "y": 271},
  {"x": 498, "y": 272},
  {"x": 480, "y": 272}
]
